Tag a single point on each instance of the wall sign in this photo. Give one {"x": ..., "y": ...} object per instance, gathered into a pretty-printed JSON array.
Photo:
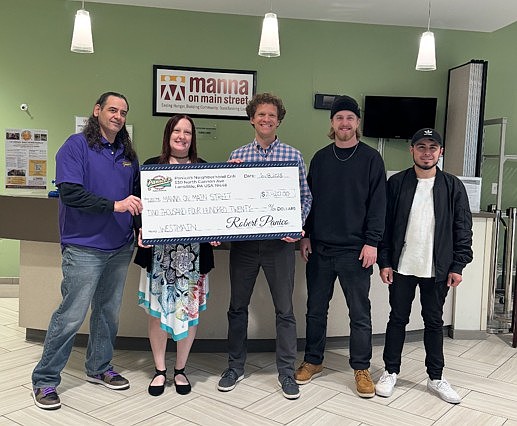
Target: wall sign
[{"x": 202, "y": 92}]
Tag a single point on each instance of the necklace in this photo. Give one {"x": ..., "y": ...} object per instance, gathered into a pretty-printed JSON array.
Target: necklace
[
  {"x": 347, "y": 158},
  {"x": 179, "y": 158}
]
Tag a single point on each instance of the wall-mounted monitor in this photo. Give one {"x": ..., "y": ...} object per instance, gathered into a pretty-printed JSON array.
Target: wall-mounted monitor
[{"x": 397, "y": 117}]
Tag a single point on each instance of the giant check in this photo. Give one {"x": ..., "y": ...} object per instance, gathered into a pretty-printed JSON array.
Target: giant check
[{"x": 220, "y": 202}]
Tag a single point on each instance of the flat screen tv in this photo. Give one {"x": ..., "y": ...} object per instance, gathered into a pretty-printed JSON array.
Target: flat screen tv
[{"x": 397, "y": 117}]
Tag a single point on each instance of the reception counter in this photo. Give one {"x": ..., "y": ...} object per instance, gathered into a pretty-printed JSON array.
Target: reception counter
[{"x": 33, "y": 221}]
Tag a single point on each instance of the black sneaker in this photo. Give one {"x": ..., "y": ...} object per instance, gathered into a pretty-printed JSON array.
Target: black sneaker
[
  {"x": 229, "y": 380},
  {"x": 110, "y": 378},
  {"x": 290, "y": 388},
  {"x": 46, "y": 398}
]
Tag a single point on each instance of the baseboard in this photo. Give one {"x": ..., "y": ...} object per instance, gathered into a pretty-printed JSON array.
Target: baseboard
[
  {"x": 467, "y": 334},
  {"x": 9, "y": 280},
  {"x": 219, "y": 345},
  {"x": 9, "y": 290}
]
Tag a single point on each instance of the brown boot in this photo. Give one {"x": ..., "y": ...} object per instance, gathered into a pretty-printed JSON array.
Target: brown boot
[
  {"x": 306, "y": 372},
  {"x": 364, "y": 384}
]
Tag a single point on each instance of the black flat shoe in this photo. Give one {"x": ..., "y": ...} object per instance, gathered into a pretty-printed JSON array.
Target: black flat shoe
[
  {"x": 157, "y": 390},
  {"x": 182, "y": 389}
]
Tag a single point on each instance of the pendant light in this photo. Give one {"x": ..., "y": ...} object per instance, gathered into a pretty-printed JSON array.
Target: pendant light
[
  {"x": 426, "y": 60},
  {"x": 269, "y": 41},
  {"x": 82, "y": 41}
]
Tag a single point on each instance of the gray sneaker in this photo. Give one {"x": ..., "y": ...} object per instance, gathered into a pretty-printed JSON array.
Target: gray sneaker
[
  {"x": 111, "y": 379},
  {"x": 229, "y": 380},
  {"x": 46, "y": 398},
  {"x": 289, "y": 386}
]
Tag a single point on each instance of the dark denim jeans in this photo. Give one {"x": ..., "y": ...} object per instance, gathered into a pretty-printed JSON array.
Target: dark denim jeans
[
  {"x": 89, "y": 277},
  {"x": 321, "y": 273},
  {"x": 432, "y": 299},
  {"x": 276, "y": 258}
]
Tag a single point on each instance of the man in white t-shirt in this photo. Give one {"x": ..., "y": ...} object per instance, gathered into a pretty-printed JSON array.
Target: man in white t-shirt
[{"x": 427, "y": 242}]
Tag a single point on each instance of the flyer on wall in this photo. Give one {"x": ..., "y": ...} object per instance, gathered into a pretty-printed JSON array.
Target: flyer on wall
[{"x": 26, "y": 158}]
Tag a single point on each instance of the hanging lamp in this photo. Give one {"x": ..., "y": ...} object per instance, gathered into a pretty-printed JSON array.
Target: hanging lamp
[
  {"x": 269, "y": 41},
  {"x": 426, "y": 60},
  {"x": 82, "y": 40}
]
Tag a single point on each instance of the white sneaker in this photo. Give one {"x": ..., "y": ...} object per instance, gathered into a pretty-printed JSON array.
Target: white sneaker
[
  {"x": 386, "y": 384},
  {"x": 443, "y": 389}
]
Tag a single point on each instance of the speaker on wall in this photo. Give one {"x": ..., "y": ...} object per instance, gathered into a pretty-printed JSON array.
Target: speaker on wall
[{"x": 323, "y": 101}]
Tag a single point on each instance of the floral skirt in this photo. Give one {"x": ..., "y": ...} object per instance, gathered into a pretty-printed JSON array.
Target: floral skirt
[{"x": 174, "y": 291}]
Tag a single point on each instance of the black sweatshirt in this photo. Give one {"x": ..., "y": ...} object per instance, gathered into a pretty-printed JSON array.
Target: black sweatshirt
[{"x": 349, "y": 197}]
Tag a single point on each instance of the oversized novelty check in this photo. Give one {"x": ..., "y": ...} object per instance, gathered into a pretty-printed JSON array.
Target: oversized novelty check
[{"x": 220, "y": 202}]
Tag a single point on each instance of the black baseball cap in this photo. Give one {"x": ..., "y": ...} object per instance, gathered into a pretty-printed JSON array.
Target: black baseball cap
[{"x": 427, "y": 133}]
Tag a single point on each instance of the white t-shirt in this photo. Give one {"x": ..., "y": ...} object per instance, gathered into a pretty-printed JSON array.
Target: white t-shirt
[{"x": 417, "y": 254}]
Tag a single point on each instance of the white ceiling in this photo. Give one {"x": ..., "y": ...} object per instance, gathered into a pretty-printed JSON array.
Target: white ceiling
[{"x": 470, "y": 15}]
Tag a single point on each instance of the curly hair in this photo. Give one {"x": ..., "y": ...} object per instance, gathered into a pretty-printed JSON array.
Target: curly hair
[
  {"x": 93, "y": 134},
  {"x": 167, "y": 132},
  {"x": 265, "y": 98}
]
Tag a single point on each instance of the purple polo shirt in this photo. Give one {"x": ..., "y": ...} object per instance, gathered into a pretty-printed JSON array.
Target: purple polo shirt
[{"x": 105, "y": 173}]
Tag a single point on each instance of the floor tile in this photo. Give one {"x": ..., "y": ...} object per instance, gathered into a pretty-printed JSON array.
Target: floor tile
[
  {"x": 488, "y": 352},
  {"x": 15, "y": 398},
  {"x": 65, "y": 416},
  {"x": 483, "y": 385},
  {"x": 459, "y": 363},
  {"x": 458, "y": 414},
  {"x": 165, "y": 419},
  {"x": 139, "y": 407},
  {"x": 506, "y": 372},
  {"x": 490, "y": 404},
  {"x": 317, "y": 417},
  {"x": 206, "y": 411},
  {"x": 484, "y": 372},
  {"x": 418, "y": 400},
  {"x": 276, "y": 407},
  {"x": 369, "y": 412}
]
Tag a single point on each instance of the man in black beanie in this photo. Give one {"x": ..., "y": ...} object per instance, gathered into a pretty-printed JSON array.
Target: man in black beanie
[{"x": 346, "y": 222}]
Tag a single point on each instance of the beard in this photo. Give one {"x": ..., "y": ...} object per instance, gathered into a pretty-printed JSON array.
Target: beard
[
  {"x": 348, "y": 136},
  {"x": 425, "y": 167}
]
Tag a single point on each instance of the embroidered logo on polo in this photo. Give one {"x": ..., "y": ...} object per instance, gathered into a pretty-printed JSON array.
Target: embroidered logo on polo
[{"x": 158, "y": 183}]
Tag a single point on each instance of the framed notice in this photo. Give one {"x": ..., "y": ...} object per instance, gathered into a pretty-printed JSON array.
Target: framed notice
[
  {"x": 202, "y": 92},
  {"x": 220, "y": 202}
]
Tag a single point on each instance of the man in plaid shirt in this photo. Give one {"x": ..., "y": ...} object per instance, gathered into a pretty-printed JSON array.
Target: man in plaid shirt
[{"x": 276, "y": 257}]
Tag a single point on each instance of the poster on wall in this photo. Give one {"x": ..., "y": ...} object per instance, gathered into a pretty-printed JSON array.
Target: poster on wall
[
  {"x": 202, "y": 92},
  {"x": 26, "y": 158}
]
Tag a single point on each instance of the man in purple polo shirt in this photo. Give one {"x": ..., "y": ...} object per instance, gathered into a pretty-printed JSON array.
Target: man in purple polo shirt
[{"x": 97, "y": 173}]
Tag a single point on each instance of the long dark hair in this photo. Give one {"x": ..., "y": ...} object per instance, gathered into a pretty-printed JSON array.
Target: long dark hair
[
  {"x": 167, "y": 132},
  {"x": 93, "y": 134}
]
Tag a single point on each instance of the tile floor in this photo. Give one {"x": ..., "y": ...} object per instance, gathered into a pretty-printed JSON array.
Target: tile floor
[{"x": 484, "y": 372}]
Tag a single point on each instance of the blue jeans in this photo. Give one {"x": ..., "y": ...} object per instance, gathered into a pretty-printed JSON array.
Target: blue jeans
[
  {"x": 432, "y": 299},
  {"x": 321, "y": 273},
  {"x": 89, "y": 276}
]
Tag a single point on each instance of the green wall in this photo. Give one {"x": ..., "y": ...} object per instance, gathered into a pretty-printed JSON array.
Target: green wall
[{"x": 39, "y": 69}]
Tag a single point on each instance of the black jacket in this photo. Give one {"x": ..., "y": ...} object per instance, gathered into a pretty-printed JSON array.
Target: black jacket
[
  {"x": 453, "y": 222},
  {"x": 144, "y": 256}
]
